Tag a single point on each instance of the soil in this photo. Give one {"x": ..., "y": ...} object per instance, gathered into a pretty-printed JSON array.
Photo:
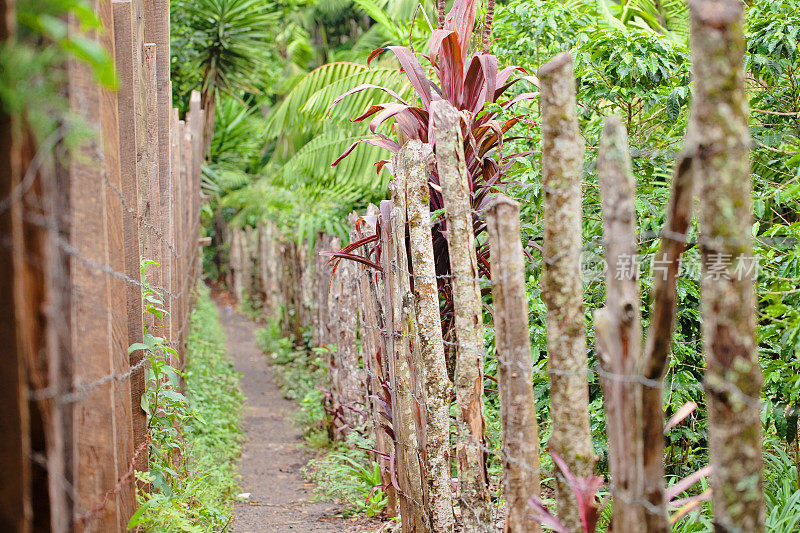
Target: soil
[{"x": 280, "y": 500}]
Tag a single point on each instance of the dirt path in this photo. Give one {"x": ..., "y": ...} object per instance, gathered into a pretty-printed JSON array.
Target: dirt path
[{"x": 280, "y": 499}]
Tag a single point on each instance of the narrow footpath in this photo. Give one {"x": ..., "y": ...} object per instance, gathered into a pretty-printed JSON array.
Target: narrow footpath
[{"x": 280, "y": 500}]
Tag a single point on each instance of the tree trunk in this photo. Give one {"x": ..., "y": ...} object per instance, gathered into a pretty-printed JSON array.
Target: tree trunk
[
  {"x": 618, "y": 328},
  {"x": 733, "y": 375},
  {"x": 562, "y": 288},
  {"x": 521, "y": 475},
  {"x": 437, "y": 385},
  {"x": 468, "y": 311}
]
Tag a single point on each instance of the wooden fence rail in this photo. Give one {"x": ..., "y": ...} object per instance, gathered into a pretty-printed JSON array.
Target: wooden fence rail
[
  {"x": 75, "y": 227},
  {"x": 404, "y": 400}
]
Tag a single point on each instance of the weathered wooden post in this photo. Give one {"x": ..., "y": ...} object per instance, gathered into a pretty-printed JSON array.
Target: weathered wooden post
[
  {"x": 94, "y": 418},
  {"x": 371, "y": 325},
  {"x": 453, "y": 176},
  {"x": 128, "y": 96},
  {"x": 151, "y": 202},
  {"x": 733, "y": 376},
  {"x": 562, "y": 288},
  {"x": 398, "y": 302},
  {"x": 520, "y": 452},
  {"x": 426, "y": 298},
  {"x": 349, "y": 377},
  {"x": 618, "y": 328}
]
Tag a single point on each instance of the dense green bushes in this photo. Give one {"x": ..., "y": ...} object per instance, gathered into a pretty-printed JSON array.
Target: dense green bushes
[{"x": 192, "y": 468}]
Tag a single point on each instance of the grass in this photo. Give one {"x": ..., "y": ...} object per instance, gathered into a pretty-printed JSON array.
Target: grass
[{"x": 193, "y": 470}]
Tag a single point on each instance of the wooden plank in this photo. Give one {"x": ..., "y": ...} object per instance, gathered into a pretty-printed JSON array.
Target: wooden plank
[
  {"x": 94, "y": 418},
  {"x": 15, "y": 491},
  {"x": 149, "y": 186},
  {"x": 175, "y": 174},
  {"x": 115, "y": 259},
  {"x": 196, "y": 126},
  {"x": 183, "y": 244},
  {"x": 125, "y": 55},
  {"x": 157, "y": 31}
]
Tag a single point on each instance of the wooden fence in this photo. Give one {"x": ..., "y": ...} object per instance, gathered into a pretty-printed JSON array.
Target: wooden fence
[
  {"x": 76, "y": 226},
  {"x": 398, "y": 387}
]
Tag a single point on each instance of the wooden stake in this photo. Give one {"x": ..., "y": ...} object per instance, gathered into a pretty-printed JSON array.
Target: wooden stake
[
  {"x": 520, "y": 450},
  {"x": 473, "y": 492},
  {"x": 733, "y": 375},
  {"x": 127, "y": 95},
  {"x": 562, "y": 288},
  {"x": 426, "y": 298},
  {"x": 618, "y": 328},
  {"x": 95, "y": 447}
]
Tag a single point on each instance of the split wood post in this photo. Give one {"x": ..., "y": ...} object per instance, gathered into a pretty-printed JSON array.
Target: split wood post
[
  {"x": 468, "y": 311},
  {"x": 157, "y": 31},
  {"x": 378, "y": 297},
  {"x": 95, "y": 458},
  {"x": 175, "y": 247},
  {"x": 733, "y": 376},
  {"x": 246, "y": 261},
  {"x": 236, "y": 263},
  {"x": 562, "y": 288},
  {"x": 618, "y": 328},
  {"x": 186, "y": 245},
  {"x": 520, "y": 451},
  {"x": 426, "y": 298},
  {"x": 322, "y": 272},
  {"x": 399, "y": 317},
  {"x": 371, "y": 326},
  {"x": 115, "y": 259},
  {"x": 655, "y": 362},
  {"x": 152, "y": 220},
  {"x": 196, "y": 123},
  {"x": 181, "y": 244},
  {"x": 15, "y": 448},
  {"x": 350, "y": 379},
  {"x": 263, "y": 269},
  {"x": 127, "y": 95}
]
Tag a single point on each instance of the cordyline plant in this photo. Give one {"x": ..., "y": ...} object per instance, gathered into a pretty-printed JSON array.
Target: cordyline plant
[
  {"x": 472, "y": 83},
  {"x": 590, "y": 508}
]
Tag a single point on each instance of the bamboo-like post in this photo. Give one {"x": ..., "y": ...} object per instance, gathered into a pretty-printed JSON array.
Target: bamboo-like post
[
  {"x": 562, "y": 163},
  {"x": 398, "y": 304},
  {"x": 454, "y": 179},
  {"x": 618, "y": 328},
  {"x": 426, "y": 299},
  {"x": 520, "y": 452},
  {"x": 733, "y": 376}
]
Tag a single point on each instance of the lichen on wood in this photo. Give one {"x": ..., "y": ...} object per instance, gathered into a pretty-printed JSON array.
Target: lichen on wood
[{"x": 562, "y": 164}]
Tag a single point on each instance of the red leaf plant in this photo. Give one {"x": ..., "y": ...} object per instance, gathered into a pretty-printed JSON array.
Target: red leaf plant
[
  {"x": 472, "y": 83},
  {"x": 589, "y": 508}
]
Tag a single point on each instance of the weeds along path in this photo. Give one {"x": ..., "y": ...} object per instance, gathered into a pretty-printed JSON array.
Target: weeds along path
[{"x": 280, "y": 499}]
